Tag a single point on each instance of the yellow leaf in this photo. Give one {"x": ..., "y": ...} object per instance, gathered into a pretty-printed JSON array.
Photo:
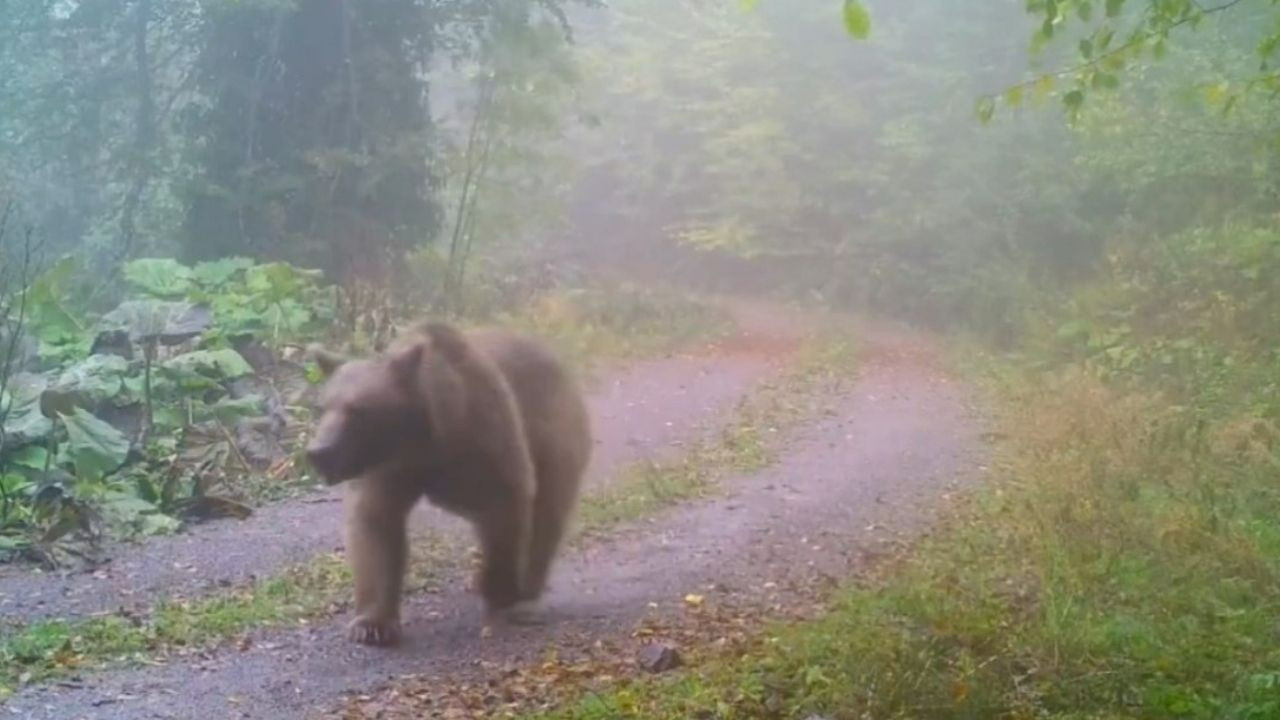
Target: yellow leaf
[{"x": 693, "y": 600}]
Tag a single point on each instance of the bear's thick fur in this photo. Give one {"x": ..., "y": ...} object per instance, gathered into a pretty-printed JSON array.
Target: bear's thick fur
[{"x": 485, "y": 424}]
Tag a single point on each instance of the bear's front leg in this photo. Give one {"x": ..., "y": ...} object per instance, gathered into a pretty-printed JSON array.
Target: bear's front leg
[{"x": 377, "y": 548}]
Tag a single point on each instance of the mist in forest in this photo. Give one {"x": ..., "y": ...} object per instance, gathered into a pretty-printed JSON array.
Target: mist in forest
[
  {"x": 763, "y": 141},
  {"x": 1019, "y": 255}
]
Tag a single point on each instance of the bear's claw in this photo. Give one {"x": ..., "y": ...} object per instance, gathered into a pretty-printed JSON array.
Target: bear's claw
[{"x": 368, "y": 631}]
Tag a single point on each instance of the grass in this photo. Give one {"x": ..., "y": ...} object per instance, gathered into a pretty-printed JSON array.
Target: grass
[
  {"x": 53, "y": 648},
  {"x": 47, "y": 650},
  {"x": 594, "y": 324},
  {"x": 1124, "y": 564}
]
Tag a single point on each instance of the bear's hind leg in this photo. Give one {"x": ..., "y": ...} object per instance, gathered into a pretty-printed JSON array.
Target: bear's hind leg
[{"x": 504, "y": 540}]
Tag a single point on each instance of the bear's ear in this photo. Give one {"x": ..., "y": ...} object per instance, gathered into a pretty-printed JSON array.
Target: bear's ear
[
  {"x": 449, "y": 341},
  {"x": 406, "y": 362},
  {"x": 328, "y": 360}
]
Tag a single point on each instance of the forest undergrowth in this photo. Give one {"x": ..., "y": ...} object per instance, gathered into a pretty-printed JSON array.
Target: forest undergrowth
[{"x": 1123, "y": 560}]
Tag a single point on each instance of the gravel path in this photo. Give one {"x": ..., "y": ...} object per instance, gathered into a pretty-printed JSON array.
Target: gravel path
[
  {"x": 643, "y": 411},
  {"x": 871, "y": 470}
]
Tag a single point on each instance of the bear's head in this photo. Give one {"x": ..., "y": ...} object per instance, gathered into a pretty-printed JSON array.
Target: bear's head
[{"x": 372, "y": 412}]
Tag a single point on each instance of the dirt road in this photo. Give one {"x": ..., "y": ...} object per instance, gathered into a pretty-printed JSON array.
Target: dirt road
[{"x": 870, "y": 468}]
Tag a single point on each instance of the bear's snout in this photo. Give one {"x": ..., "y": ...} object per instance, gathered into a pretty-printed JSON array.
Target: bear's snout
[{"x": 326, "y": 459}]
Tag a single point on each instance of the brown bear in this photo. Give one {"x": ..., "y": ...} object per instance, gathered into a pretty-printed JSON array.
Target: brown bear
[{"x": 486, "y": 424}]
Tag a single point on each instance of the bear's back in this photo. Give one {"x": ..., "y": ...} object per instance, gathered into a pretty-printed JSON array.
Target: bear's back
[{"x": 548, "y": 395}]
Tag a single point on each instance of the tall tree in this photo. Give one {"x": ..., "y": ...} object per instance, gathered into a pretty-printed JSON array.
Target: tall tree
[{"x": 315, "y": 145}]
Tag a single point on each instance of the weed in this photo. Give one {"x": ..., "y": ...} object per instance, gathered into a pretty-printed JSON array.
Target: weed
[
  {"x": 1124, "y": 566},
  {"x": 52, "y": 648}
]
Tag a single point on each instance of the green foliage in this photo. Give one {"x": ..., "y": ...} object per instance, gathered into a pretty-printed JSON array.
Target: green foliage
[
  {"x": 857, "y": 21},
  {"x": 747, "y": 136},
  {"x": 271, "y": 301},
  {"x": 94, "y": 448},
  {"x": 595, "y": 323},
  {"x": 160, "y": 277},
  {"x": 50, "y": 649},
  {"x": 1191, "y": 314},
  {"x": 1120, "y": 39},
  {"x": 109, "y": 442},
  {"x": 53, "y": 320},
  {"x": 1122, "y": 563}
]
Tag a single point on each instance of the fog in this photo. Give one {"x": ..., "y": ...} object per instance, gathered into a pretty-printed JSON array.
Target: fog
[
  {"x": 841, "y": 258},
  {"x": 665, "y": 136}
]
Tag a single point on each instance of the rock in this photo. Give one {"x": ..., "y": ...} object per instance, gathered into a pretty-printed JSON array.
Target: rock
[{"x": 660, "y": 657}]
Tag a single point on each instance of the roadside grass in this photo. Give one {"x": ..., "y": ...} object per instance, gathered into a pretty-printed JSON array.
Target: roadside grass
[
  {"x": 50, "y": 649},
  {"x": 596, "y": 324},
  {"x": 1123, "y": 563},
  {"x": 47, "y": 650}
]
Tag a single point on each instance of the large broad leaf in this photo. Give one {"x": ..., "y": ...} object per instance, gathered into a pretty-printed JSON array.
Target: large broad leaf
[
  {"x": 95, "y": 379},
  {"x": 286, "y": 316},
  {"x": 168, "y": 322},
  {"x": 93, "y": 447},
  {"x": 49, "y": 320},
  {"x": 160, "y": 277},
  {"x": 214, "y": 274},
  {"x": 24, "y": 423},
  {"x": 224, "y": 364},
  {"x": 229, "y": 410},
  {"x": 31, "y": 457},
  {"x": 277, "y": 281}
]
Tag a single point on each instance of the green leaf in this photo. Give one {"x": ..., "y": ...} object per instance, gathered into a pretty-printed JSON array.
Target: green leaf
[
  {"x": 1114, "y": 7},
  {"x": 13, "y": 484},
  {"x": 1106, "y": 81},
  {"x": 285, "y": 316},
  {"x": 229, "y": 410},
  {"x": 168, "y": 322},
  {"x": 31, "y": 457},
  {"x": 986, "y": 109},
  {"x": 1086, "y": 48},
  {"x": 215, "y": 274},
  {"x": 1085, "y": 11},
  {"x": 857, "y": 21},
  {"x": 1104, "y": 39},
  {"x": 96, "y": 378},
  {"x": 24, "y": 422},
  {"x": 50, "y": 320},
  {"x": 220, "y": 364},
  {"x": 277, "y": 281},
  {"x": 143, "y": 516},
  {"x": 93, "y": 447},
  {"x": 160, "y": 277},
  {"x": 1073, "y": 100}
]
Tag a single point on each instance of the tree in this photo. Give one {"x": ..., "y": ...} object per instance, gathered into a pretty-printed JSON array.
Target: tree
[
  {"x": 1117, "y": 35},
  {"x": 315, "y": 144}
]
